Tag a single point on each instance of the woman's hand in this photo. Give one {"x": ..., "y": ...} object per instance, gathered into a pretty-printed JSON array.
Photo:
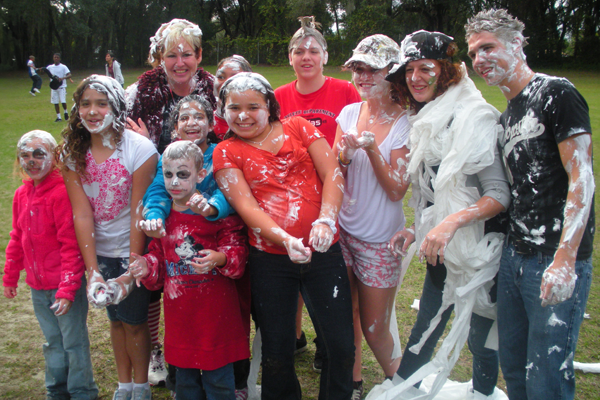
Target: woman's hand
[
  {"x": 437, "y": 240},
  {"x": 207, "y": 260},
  {"x": 296, "y": 250},
  {"x": 199, "y": 205},
  {"x": 351, "y": 142},
  {"x": 153, "y": 228},
  {"x": 321, "y": 237},
  {"x": 140, "y": 127},
  {"x": 399, "y": 243},
  {"x": 61, "y": 306}
]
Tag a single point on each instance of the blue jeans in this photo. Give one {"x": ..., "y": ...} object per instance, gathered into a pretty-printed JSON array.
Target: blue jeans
[
  {"x": 326, "y": 291},
  {"x": 537, "y": 344},
  {"x": 195, "y": 384},
  {"x": 485, "y": 361},
  {"x": 67, "y": 348}
]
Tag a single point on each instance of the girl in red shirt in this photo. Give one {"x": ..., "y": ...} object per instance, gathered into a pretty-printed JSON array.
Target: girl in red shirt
[{"x": 282, "y": 179}]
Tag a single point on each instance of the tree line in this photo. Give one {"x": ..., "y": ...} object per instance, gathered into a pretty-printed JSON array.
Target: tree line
[{"x": 560, "y": 32}]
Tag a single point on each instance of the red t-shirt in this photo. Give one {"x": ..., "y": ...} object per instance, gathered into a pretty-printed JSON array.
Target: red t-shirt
[
  {"x": 221, "y": 127},
  {"x": 286, "y": 185},
  {"x": 320, "y": 108}
]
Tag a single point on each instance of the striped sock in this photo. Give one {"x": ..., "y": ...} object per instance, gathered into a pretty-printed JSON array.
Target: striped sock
[{"x": 154, "y": 321}]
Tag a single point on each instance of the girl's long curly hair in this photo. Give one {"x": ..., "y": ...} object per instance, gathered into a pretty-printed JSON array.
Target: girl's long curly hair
[{"x": 76, "y": 138}]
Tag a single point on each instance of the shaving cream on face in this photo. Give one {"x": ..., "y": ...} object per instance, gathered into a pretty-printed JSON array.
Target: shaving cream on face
[
  {"x": 35, "y": 157},
  {"x": 192, "y": 123}
]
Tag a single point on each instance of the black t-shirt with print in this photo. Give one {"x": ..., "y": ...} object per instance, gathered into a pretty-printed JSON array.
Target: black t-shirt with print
[{"x": 546, "y": 112}]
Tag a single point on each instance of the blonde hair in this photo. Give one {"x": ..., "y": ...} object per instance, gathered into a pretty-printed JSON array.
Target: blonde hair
[{"x": 169, "y": 34}]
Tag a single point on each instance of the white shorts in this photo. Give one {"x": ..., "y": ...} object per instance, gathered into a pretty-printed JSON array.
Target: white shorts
[{"x": 58, "y": 96}]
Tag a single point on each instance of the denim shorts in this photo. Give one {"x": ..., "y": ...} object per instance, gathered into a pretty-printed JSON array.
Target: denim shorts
[{"x": 134, "y": 309}]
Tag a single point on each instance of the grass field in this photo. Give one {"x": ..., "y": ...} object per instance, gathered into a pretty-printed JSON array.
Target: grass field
[{"x": 21, "y": 359}]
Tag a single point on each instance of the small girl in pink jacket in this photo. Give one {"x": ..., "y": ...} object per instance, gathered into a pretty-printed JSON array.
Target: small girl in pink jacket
[{"x": 43, "y": 243}]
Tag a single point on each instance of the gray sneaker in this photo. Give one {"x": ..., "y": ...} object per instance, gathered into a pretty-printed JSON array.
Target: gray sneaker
[
  {"x": 141, "y": 394},
  {"x": 122, "y": 394}
]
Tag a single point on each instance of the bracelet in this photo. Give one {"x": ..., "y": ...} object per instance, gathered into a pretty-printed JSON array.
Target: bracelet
[
  {"x": 326, "y": 221},
  {"x": 342, "y": 161}
]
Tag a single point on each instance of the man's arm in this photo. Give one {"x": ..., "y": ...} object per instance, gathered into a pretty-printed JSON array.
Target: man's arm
[{"x": 559, "y": 279}]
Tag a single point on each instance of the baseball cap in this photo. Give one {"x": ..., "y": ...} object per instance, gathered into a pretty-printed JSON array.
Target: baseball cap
[
  {"x": 377, "y": 51},
  {"x": 419, "y": 45}
]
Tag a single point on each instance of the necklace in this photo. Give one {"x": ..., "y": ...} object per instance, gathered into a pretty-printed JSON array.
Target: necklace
[{"x": 262, "y": 141}]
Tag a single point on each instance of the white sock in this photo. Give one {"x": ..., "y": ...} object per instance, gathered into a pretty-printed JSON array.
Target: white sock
[
  {"x": 127, "y": 386},
  {"x": 58, "y": 115},
  {"x": 141, "y": 385}
]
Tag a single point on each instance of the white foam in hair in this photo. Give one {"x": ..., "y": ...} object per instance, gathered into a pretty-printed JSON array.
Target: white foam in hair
[
  {"x": 44, "y": 136},
  {"x": 185, "y": 149},
  {"x": 247, "y": 81},
  {"x": 308, "y": 27},
  {"x": 162, "y": 38},
  {"x": 116, "y": 97}
]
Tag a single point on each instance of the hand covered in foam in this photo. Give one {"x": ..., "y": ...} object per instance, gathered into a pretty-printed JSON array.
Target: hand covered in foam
[
  {"x": 120, "y": 287},
  {"x": 351, "y": 142},
  {"x": 435, "y": 243},
  {"x": 399, "y": 243},
  {"x": 321, "y": 234},
  {"x": 558, "y": 282},
  {"x": 296, "y": 250},
  {"x": 153, "y": 228},
  {"x": 61, "y": 306},
  {"x": 138, "y": 268},
  {"x": 207, "y": 260},
  {"x": 199, "y": 205},
  {"x": 98, "y": 293}
]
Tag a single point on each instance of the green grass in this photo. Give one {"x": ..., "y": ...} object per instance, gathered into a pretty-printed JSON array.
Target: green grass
[{"x": 21, "y": 359}]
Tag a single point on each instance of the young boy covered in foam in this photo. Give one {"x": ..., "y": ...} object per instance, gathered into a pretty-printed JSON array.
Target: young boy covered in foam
[{"x": 196, "y": 263}]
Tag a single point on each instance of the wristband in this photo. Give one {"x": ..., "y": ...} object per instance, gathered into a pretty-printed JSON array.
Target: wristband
[
  {"x": 411, "y": 230},
  {"x": 326, "y": 221},
  {"x": 342, "y": 161}
]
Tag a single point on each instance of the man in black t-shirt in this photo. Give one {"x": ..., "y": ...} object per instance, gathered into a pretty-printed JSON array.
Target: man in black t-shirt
[{"x": 545, "y": 271}]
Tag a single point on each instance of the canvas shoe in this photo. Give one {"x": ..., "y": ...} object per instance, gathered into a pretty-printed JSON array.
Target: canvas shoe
[
  {"x": 318, "y": 361},
  {"x": 66, "y": 116},
  {"x": 357, "y": 391},
  {"x": 141, "y": 394},
  {"x": 122, "y": 394},
  {"x": 31, "y": 93},
  {"x": 157, "y": 371},
  {"x": 57, "y": 120},
  {"x": 301, "y": 344},
  {"x": 36, "y": 90},
  {"x": 241, "y": 394}
]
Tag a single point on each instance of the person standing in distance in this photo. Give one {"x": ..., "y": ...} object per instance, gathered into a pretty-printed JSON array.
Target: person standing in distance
[
  {"x": 546, "y": 266},
  {"x": 59, "y": 95},
  {"x": 32, "y": 71}
]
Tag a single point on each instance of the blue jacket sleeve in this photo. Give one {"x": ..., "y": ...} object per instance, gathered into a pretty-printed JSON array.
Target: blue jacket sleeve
[
  {"x": 209, "y": 186},
  {"x": 157, "y": 202}
]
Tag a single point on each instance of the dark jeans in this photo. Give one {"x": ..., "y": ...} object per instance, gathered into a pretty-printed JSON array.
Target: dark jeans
[
  {"x": 537, "y": 343},
  {"x": 195, "y": 384},
  {"x": 485, "y": 361},
  {"x": 326, "y": 291},
  {"x": 37, "y": 82}
]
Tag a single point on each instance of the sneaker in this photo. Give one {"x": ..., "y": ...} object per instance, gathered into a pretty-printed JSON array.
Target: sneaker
[
  {"x": 57, "y": 120},
  {"x": 318, "y": 361},
  {"x": 241, "y": 394},
  {"x": 121, "y": 394},
  {"x": 36, "y": 90},
  {"x": 357, "y": 390},
  {"x": 157, "y": 371},
  {"x": 141, "y": 394},
  {"x": 66, "y": 115},
  {"x": 31, "y": 93},
  {"x": 301, "y": 344}
]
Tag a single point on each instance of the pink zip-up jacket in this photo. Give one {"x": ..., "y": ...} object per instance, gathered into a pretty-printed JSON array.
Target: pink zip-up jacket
[{"x": 43, "y": 240}]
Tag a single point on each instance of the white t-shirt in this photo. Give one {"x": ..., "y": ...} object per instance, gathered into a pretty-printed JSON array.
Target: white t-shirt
[
  {"x": 367, "y": 213},
  {"x": 59, "y": 70},
  {"x": 31, "y": 66},
  {"x": 108, "y": 187}
]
